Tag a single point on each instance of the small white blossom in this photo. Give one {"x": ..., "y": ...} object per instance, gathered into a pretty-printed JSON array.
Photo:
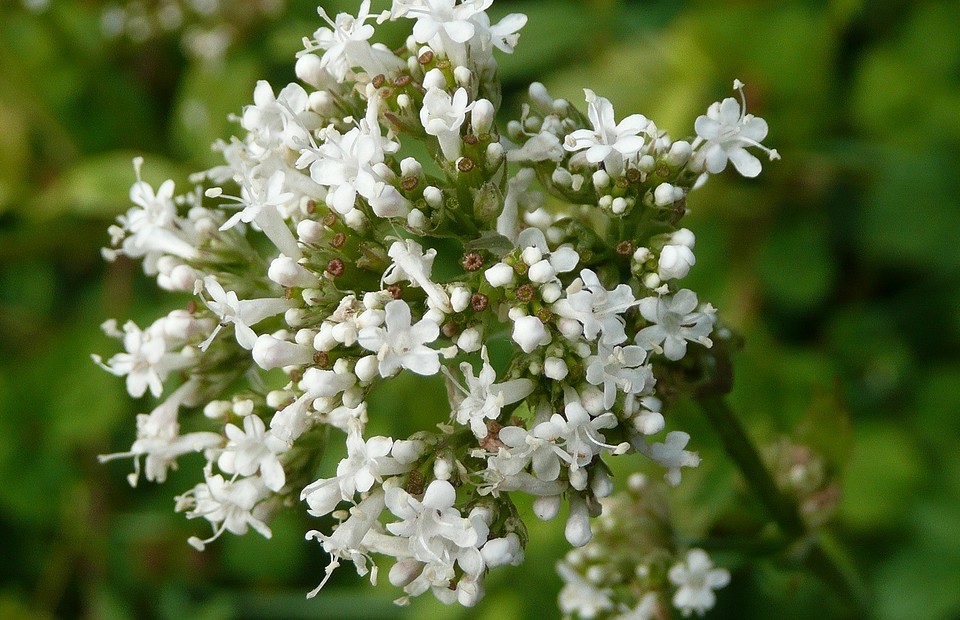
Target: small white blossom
[
  {"x": 674, "y": 323},
  {"x": 696, "y": 579},
  {"x": 728, "y": 130},
  {"x": 484, "y": 399},
  {"x": 242, "y": 314},
  {"x": 608, "y": 141},
  {"x": 596, "y": 308},
  {"x": 443, "y": 115},
  {"x": 400, "y": 344},
  {"x": 251, "y": 449}
]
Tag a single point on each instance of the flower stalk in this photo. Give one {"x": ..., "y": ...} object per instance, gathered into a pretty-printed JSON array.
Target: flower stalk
[{"x": 816, "y": 548}]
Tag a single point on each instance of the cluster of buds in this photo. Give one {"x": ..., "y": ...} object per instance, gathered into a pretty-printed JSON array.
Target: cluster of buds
[
  {"x": 315, "y": 283},
  {"x": 631, "y": 568}
]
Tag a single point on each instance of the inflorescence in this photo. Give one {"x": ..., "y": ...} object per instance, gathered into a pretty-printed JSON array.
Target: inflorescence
[{"x": 311, "y": 255}]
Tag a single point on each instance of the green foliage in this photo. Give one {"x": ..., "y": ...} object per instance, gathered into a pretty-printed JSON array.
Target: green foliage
[{"x": 841, "y": 269}]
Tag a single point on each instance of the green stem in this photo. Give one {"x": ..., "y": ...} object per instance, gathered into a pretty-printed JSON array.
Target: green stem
[{"x": 821, "y": 554}]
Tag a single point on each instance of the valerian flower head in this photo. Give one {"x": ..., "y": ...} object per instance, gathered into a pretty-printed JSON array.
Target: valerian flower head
[{"x": 384, "y": 225}]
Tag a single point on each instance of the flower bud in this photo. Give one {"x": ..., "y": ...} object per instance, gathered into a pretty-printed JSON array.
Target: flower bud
[
  {"x": 433, "y": 196},
  {"x": 462, "y": 75},
  {"x": 577, "y": 530},
  {"x": 675, "y": 262},
  {"x": 270, "y": 352},
  {"x": 287, "y": 272},
  {"x": 500, "y": 274},
  {"x": 404, "y": 572},
  {"x": 434, "y": 79},
  {"x": 481, "y": 117},
  {"x": 546, "y": 507},
  {"x": 309, "y": 69},
  {"x": 367, "y": 368},
  {"x": 469, "y": 340},
  {"x": 310, "y": 231},
  {"x": 555, "y": 368},
  {"x": 529, "y": 333},
  {"x": 460, "y": 298},
  {"x": 679, "y": 153}
]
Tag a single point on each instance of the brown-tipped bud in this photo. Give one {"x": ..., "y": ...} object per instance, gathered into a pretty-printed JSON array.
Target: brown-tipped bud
[
  {"x": 329, "y": 219},
  {"x": 465, "y": 164},
  {"x": 311, "y": 206},
  {"x": 450, "y": 329},
  {"x": 443, "y": 64},
  {"x": 338, "y": 240},
  {"x": 622, "y": 183},
  {"x": 544, "y": 315},
  {"x": 426, "y": 58},
  {"x": 386, "y": 93},
  {"x": 663, "y": 170},
  {"x": 472, "y": 261},
  {"x": 321, "y": 359},
  {"x": 479, "y": 302},
  {"x": 625, "y": 248},
  {"x": 395, "y": 291},
  {"x": 470, "y": 139},
  {"x": 408, "y": 184},
  {"x": 633, "y": 175},
  {"x": 402, "y": 80},
  {"x": 335, "y": 267},
  {"x": 525, "y": 293},
  {"x": 191, "y": 306},
  {"x": 378, "y": 80}
]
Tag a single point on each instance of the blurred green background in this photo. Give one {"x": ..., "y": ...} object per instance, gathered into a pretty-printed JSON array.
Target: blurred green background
[{"x": 840, "y": 266}]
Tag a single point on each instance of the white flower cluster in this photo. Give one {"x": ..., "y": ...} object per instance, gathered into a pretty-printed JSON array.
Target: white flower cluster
[
  {"x": 315, "y": 282},
  {"x": 630, "y": 570}
]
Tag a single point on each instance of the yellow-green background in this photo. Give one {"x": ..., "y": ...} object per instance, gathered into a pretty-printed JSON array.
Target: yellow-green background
[{"x": 840, "y": 265}]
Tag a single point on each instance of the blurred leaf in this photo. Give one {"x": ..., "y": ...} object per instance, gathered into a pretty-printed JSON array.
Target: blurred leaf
[
  {"x": 827, "y": 429},
  {"x": 915, "y": 71},
  {"x": 796, "y": 265},
  {"x": 99, "y": 186},
  {"x": 14, "y": 153},
  {"x": 279, "y": 559},
  {"x": 911, "y": 217},
  {"x": 206, "y": 96},
  {"x": 882, "y": 476},
  {"x": 554, "y": 29}
]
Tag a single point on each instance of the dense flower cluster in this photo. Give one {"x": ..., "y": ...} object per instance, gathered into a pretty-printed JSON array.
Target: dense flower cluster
[{"x": 315, "y": 282}]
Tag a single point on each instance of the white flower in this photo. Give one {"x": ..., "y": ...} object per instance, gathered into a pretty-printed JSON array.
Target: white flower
[
  {"x": 366, "y": 464},
  {"x": 674, "y": 323},
  {"x": 608, "y": 142},
  {"x": 400, "y": 344},
  {"x": 448, "y": 17},
  {"x": 581, "y": 439},
  {"x": 443, "y": 115},
  {"x": 696, "y": 579},
  {"x": 346, "y": 47},
  {"x": 596, "y": 308},
  {"x": 279, "y": 120},
  {"x": 619, "y": 368},
  {"x": 159, "y": 439},
  {"x": 728, "y": 130},
  {"x": 242, "y": 314},
  {"x": 346, "y": 542},
  {"x": 439, "y": 535},
  {"x": 227, "y": 504},
  {"x": 543, "y": 264},
  {"x": 146, "y": 362},
  {"x": 152, "y": 227},
  {"x": 484, "y": 399},
  {"x": 252, "y": 449},
  {"x": 352, "y": 164},
  {"x": 412, "y": 264},
  {"x": 671, "y": 454},
  {"x": 579, "y": 596}
]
